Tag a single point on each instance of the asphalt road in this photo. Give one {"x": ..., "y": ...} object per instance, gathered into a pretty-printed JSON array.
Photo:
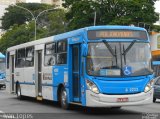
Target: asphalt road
[{"x": 32, "y": 109}]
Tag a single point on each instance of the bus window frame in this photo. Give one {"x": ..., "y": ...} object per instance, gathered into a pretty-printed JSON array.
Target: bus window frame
[
  {"x": 60, "y": 52},
  {"x": 29, "y": 56},
  {"x": 50, "y": 54},
  {"x": 17, "y": 58}
]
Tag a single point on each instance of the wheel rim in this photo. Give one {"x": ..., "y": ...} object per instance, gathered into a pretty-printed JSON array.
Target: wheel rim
[{"x": 64, "y": 97}]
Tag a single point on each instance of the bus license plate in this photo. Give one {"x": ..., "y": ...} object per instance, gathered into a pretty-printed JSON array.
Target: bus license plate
[{"x": 122, "y": 99}]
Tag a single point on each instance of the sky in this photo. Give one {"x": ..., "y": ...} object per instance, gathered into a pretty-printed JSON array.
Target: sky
[
  {"x": 157, "y": 6},
  {"x": 2, "y": 7},
  {"x": 33, "y": 1}
]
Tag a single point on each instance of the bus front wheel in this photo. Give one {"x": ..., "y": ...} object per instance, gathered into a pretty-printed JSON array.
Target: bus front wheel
[{"x": 63, "y": 99}]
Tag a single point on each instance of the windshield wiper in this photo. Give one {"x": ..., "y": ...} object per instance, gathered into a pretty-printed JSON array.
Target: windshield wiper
[
  {"x": 109, "y": 47},
  {"x": 111, "y": 50},
  {"x": 124, "y": 55},
  {"x": 128, "y": 48}
]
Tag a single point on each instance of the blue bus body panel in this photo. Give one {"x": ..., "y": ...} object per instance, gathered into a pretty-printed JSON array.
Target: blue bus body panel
[
  {"x": 75, "y": 40},
  {"x": 125, "y": 86},
  {"x": 59, "y": 76}
]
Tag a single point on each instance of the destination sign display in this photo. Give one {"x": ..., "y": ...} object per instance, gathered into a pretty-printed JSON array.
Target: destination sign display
[{"x": 117, "y": 34}]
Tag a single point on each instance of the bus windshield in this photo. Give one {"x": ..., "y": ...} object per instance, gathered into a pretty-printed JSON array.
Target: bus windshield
[{"x": 119, "y": 59}]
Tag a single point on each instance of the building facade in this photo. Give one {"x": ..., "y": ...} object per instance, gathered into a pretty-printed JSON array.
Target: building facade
[
  {"x": 9, "y": 2},
  {"x": 5, "y": 3},
  {"x": 57, "y": 3}
]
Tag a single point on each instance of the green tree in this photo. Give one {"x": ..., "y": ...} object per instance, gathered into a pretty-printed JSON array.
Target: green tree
[
  {"x": 16, "y": 15},
  {"x": 57, "y": 22},
  {"x": 48, "y": 24},
  {"x": 119, "y": 12},
  {"x": 156, "y": 28},
  {"x": 18, "y": 34}
]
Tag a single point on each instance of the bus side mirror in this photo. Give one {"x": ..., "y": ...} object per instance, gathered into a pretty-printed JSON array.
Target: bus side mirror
[{"x": 84, "y": 50}]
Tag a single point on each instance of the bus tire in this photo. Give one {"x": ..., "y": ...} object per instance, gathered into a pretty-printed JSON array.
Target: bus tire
[
  {"x": 63, "y": 99},
  {"x": 19, "y": 95},
  {"x": 154, "y": 99},
  {"x": 116, "y": 108}
]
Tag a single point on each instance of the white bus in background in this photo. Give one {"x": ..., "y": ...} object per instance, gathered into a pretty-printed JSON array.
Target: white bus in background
[{"x": 24, "y": 62}]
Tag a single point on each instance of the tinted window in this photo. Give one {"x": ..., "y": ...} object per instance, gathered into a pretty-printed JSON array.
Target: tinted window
[
  {"x": 29, "y": 57},
  {"x": 62, "y": 52},
  {"x": 62, "y": 58},
  {"x": 50, "y": 49},
  {"x": 20, "y": 58},
  {"x": 50, "y": 56},
  {"x": 62, "y": 46}
]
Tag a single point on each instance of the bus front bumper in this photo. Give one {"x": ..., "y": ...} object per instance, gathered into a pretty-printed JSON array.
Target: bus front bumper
[{"x": 104, "y": 100}]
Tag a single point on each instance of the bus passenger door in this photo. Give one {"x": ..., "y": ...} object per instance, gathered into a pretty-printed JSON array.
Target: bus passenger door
[
  {"x": 76, "y": 73},
  {"x": 12, "y": 74},
  {"x": 38, "y": 81}
]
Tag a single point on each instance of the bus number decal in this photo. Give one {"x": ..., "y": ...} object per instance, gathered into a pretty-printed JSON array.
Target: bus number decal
[{"x": 133, "y": 89}]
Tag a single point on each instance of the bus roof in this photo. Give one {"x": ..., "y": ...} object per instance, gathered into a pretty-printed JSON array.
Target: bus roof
[
  {"x": 80, "y": 31},
  {"x": 114, "y": 27},
  {"x": 72, "y": 34},
  {"x": 32, "y": 43}
]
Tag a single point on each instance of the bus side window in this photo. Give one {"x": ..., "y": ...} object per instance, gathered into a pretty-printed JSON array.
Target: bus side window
[
  {"x": 50, "y": 54},
  {"x": 62, "y": 52},
  {"x": 29, "y": 62},
  {"x": 8, "y": 54},
  {"x": 20, "y": 58}
]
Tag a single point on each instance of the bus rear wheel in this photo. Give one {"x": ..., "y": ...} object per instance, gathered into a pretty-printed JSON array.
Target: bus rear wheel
[{"x": 63, "y": 99}]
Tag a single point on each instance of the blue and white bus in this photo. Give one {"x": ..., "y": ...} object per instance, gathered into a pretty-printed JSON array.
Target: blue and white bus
[
  {"x": 97, "y": 66},
  {"x": 2, "y": 70}
]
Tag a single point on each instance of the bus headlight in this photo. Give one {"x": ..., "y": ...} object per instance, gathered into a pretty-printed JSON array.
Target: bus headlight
[
  {"x": 149, "y": 86},
  {"x": 91, "y": 86}
]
